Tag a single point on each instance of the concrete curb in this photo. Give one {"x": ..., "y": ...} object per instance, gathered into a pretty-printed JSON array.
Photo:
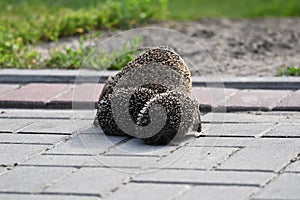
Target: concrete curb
[{"x": 16, "y": 76}]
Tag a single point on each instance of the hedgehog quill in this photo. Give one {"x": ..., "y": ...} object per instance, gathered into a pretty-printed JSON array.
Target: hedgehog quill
[{"x": 150, "y": 98}]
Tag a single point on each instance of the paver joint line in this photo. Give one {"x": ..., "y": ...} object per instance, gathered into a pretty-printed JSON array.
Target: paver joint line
[{"x": 196, "y": 183}]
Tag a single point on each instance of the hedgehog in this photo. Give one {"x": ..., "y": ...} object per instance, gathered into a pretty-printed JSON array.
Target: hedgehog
[{"x": 150, "y": 98}]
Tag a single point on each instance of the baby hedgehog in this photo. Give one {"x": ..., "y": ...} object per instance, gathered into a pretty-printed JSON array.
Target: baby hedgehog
[{"x": 150, "y": 98}]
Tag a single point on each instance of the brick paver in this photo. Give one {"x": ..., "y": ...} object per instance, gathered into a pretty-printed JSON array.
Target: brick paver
[
  {"x": 213, "y": 98},
  {"x": 256, "y": 99},
  {"x": 34, "y": 95},
  {"x": 84, "y": 96},
  {"x": 291, "y": 102},
  {"x": 5, "y": 89}
]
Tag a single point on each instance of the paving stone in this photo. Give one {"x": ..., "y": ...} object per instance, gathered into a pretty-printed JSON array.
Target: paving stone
[
  {"x": 196, "y": 157},
  {"x": 252, "y": 117},
  {"x": 221, "y": 142},
  {"x": 243, "y": 130},
  {"x": 30, "y": 138},
  {"x": 35, "y": 113},
  {"x": 137, "y": 147},
  {"x": 148, "y": 191},
  {"x": 255, "y": 99},
  {"x": 290, "y": 103},
  {"x": 60, "y": 160},
  {"x": 15, "y": 153},
  {"x": 286, "y": 186},
  {"x": 87, "y": 144},
  {"x": 244, "y": 142},
  {"x": 212, "y": 96},
  {"x": 6, "y": 88},
  {"x": 34, "y": 93},
  {"x": 81, "y": 93},
  {"x": 84, "y": 114},
  {"x": 130, "y": 164},
  {"x": 285, "y": 130},
  {"x": 217, "y": 192},
  {"x": 115, "y": 162},
  {"x": 6, "y": 125},
  {"x": 262, "y": 158},
  {"x": 30, "y": 179},
  {"x": 56, "y": 126},
  {"x": 90, "y": 180},
  {"x": 45, "y": 197},
  {"x": 294, "y": 167},
  {"x": 205, "y": 177},
  {"x": 231, "y": 177}
]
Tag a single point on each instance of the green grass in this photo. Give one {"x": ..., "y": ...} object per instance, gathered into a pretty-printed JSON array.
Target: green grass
[
  {"x": 196, "y": 9},
  {"x": 288, "y": 71},
  {"x": 27, "y": 22},
  {"x": 24, "y": 23}
]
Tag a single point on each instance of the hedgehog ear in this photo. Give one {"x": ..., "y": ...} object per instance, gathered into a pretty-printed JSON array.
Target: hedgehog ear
[
  {"x": 96, "y": 123},
  {"x": 107, "y": 88}
]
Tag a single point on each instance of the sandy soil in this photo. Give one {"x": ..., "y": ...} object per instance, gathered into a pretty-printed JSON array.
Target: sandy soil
[{"x": 237, "y": 47}]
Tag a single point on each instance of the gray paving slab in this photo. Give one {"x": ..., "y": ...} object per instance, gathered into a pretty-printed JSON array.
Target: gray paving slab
[
  {"x": 45, "y": 197},
  {"x": 244, "y": 142},
  {"x": 90, "y": 180},
  {"x": 286, "y": 186},
  {"x": 262, "y": 158},
  {"x": 205, "y": 177},
  {"x": 147, "y": 191},
  {"x": 253, "y": 117},
  {"x": 217, "y": 192},
  {"x": 196, "y": 157},
  {"x": 15, "y": 153},
  {"x": 138, "y": 164},
  {"x": 87, "y": 144},
  {"x": 30, "y": 179},
  {"x": 31, "y": 138},
  {"x": 56, "y": 126},
  {"x": 60, "y": 160},
  {"x": 35, "y": 113},
  {"x": 285, "y": 130},
  {"x": 294, "y": 167},
  {"x": 128, "y": 164},
  {"x": 240, "y": 130},
  {"x": 137, "y": 147},
  {"x": 84, "y": 114},
  {"x": 222, "y": 141},
  {"x": 8, "y": 125},
  {"x": 250, "y": 147}
]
